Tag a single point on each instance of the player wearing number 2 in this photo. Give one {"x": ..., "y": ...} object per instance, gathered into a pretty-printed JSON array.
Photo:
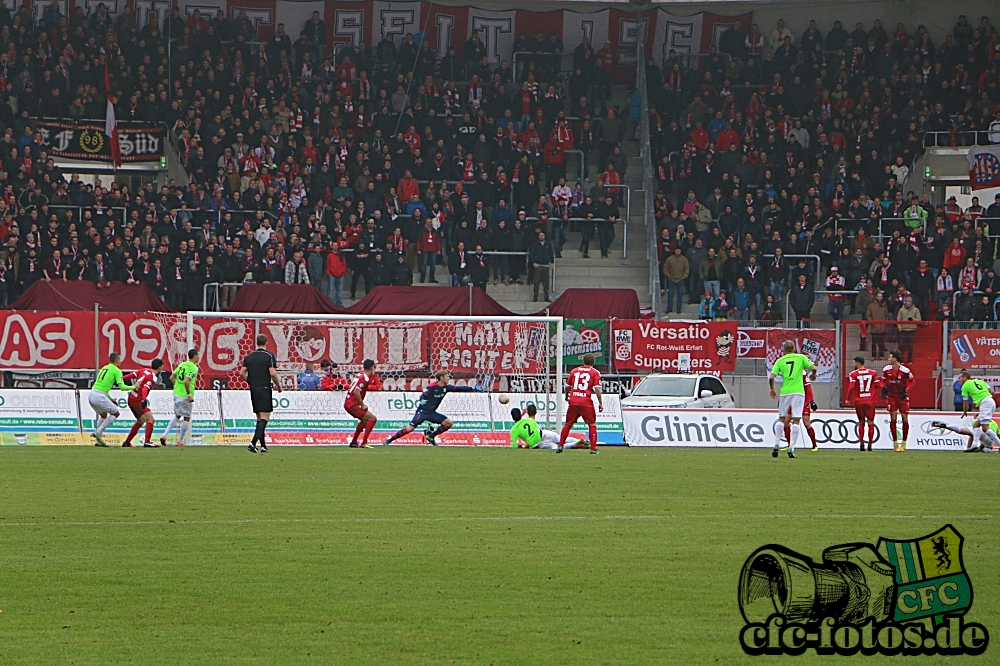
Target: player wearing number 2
[
  {"x": 791, "y": 367},
  {"x": 527, "y": 434},
  {"x": 861, "y": 393},
  {"x": 583, "y": 381}
]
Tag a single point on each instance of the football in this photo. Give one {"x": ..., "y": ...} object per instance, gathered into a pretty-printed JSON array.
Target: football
[{"x": 504, "y": 399}]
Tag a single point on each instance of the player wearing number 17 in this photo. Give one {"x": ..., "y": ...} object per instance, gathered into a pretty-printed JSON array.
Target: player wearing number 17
[
  {"x": 792, "y": 367},
  {"x": 582, "y": 382},
  {"x": 861, "y": 393}
]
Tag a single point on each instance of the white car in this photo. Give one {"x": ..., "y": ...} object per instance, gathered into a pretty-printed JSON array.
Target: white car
[{"x": 675, "y": 391}]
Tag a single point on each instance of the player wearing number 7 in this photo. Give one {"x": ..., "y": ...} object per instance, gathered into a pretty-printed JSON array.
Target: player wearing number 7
[
  {"x": 581, "y": 383},
  {"x": 791, "y": 367}
]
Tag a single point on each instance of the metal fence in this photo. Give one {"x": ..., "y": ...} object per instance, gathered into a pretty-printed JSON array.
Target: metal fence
[{"x": 648, "y": 180}]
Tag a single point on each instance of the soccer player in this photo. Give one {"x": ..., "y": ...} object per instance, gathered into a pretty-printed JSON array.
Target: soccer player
[
  {"x": 791, "y": 366},
  {"x": 108, "y": 378},
  {"x": 184, "y": 378},
  {"x": 978, "y": 393},
  {"x": 355, "y": 405},
  {"x": 581, "y": 383},
  {"x": 971, "y": 447},
  {"x": 427, "y": 406},
  {"x": 259, "y": 371},
  {"x": 896, "y": 381},
  {"x": 527, "y": 434},
  {"x": 138, "y": 402},
  {"x": 808, "y": 408},
  {"x": 861, "y": 392}
]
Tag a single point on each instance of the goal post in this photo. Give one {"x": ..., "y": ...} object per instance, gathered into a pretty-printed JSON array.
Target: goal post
[{"x": 516, "y": 355}]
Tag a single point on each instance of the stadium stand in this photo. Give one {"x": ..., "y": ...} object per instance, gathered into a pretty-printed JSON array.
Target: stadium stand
[{"x": 387, "y": 165}]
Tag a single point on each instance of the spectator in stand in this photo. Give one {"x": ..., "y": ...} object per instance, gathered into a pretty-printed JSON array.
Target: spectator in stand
[
  {"x": 835, "y": 282},
  {"x": 907, "y": 332},
  {"x": 541, "y": 257},
  {"x": 429, "y": 245},
  {"x": 336, "y": 268},
  {"x": 308, "y": 380},
  {"x": 676, "y": 270}
]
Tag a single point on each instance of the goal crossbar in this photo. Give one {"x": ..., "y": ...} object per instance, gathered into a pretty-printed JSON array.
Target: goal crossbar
[{"x": 557, "y": 321}]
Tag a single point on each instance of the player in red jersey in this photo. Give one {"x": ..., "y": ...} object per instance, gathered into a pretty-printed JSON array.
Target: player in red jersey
[
  {"x": 138, "y": 402},
  {"x": 896, "y": 381},
  {"x": 581, "y": 383},
  {"x": 861, "y": 393},
  {"x": 355, "y": 402}
]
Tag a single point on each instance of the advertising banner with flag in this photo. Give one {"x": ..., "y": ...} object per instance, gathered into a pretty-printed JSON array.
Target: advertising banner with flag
[
  {"x": 819, "y": 345},
  {"x": 984, "y": 167}
]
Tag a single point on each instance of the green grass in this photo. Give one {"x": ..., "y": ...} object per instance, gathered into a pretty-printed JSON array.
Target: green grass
[{"x": 419, "y": 555}]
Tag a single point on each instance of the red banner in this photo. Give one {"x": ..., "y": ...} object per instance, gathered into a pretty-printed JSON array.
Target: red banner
[
  {"x": 655, "y": 345},
  {"x": 752, "y": 343},
  {"x": 820, "y": 345},
  {"x": 978, "y": 350},
  {"x": 491, "y": 347}
]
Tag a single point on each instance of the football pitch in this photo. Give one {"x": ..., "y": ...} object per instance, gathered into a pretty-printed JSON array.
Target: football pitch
[{"x": 446, "y": 555}]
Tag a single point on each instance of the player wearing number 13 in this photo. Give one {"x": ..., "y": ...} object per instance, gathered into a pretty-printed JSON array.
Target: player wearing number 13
[
  {"x": 792, "y": 367},
  {"x": 582, "y": 382}
]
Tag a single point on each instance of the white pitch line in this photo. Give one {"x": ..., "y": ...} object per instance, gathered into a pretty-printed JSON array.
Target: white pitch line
[{"x": 293, "y": 521}]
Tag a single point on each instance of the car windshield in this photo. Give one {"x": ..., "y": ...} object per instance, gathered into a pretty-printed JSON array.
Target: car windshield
[{"x": 666, "y": 386}]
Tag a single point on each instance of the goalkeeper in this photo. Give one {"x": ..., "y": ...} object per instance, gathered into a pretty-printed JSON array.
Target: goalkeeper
[
  {"x": 527, "y": 434},
  {"x": 992, "y": 434},
  {"x": 427, "y": 406}
]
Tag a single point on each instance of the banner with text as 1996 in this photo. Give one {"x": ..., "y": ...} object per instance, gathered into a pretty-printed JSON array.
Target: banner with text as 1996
[{"x": 655, "y": 345}]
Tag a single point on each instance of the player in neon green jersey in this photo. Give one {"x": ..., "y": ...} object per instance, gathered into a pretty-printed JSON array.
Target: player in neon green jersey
[
  {"x": 978, "y": 393},
  {"x": 969, "y": 431},
  {"x": 108, "y": 378},
  {"x": 184, "y": 378},
  {"x": 527, "y": 434},
  {"x": 792, "y": 367}
]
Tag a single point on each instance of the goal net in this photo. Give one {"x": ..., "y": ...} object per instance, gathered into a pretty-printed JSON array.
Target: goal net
[{"x": 516, "y": 355}]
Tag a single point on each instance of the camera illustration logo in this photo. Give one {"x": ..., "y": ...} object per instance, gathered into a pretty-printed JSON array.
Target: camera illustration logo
[{"x": 906, "y": 597}]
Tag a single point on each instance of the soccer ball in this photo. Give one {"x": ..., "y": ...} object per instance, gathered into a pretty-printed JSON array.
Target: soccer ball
[{"x": 504, "y": 399}]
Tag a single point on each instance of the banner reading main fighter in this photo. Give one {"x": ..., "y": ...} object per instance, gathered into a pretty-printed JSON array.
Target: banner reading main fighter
[{"x": 640, "y": 344}]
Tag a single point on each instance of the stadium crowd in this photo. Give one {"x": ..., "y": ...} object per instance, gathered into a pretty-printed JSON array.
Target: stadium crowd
[
  {"x": 781, "y": 145},
  {"x": 383, "y": 164}
]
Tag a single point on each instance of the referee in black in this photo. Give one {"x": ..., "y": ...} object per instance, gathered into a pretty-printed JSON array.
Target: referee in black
[{"x": 259, "y": 371}]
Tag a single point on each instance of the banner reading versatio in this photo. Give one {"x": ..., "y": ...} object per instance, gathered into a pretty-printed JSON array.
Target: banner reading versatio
[{"x": 654, "y": 345}]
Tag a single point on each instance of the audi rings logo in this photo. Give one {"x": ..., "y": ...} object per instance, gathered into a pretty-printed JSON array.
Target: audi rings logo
[{"x": 837, "y": 431}]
